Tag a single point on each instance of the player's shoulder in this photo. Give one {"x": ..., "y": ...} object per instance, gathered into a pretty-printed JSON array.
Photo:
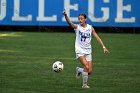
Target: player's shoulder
[
  {"x": 89, "y": 26},
  {"x": 78, "y": 25}
]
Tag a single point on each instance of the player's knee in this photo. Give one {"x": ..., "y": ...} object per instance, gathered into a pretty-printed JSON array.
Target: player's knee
[
  {"x": 90, "y": 72},
  {"x": 86, "y": 67}
]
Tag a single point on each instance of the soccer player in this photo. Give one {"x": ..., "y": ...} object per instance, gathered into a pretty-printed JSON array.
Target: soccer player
[{"x": 83, "y": 49}]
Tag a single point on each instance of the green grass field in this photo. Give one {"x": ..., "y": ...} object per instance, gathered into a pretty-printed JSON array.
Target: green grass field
[{"x": 26, "y": 60}]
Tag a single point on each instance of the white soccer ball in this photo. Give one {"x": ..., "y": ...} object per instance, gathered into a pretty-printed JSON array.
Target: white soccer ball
[{"x": 58, "y": 66}]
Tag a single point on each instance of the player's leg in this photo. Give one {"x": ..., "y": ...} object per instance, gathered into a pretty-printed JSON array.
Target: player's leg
[
  {"x": 79, "y": 70},
  {"x": 85, "y": 72},
  {"x": 90, "y": 63},
  {"x": 88, "y": 58},
  {"x": 84, "y": 63}
]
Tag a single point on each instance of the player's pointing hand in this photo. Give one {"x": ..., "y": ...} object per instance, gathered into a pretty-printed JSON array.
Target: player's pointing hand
[
  {"x": 64, "y": 12},
  {"x": 106, "y": 50}
]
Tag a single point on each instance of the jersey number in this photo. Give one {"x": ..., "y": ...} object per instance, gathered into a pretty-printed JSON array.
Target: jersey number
[{"x": 83, "y": 38}]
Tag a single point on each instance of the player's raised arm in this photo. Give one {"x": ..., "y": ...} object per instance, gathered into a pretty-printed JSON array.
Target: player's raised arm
[
  {"x": 100, "y": 41},
  {"x": 68, "y": 20}
]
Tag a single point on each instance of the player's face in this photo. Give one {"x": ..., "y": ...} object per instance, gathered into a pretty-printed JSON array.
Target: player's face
[{"x": 81, "y": 19}]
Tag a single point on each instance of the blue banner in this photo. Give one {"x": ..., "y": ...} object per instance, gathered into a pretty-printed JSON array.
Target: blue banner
[{"x": 100, "y": 13}]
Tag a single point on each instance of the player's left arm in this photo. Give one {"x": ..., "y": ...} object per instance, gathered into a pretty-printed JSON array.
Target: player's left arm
[{"x": 99, "y": 41}]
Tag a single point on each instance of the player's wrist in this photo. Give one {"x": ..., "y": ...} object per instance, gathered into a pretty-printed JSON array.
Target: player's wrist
[{"x": 104, "y": 47}]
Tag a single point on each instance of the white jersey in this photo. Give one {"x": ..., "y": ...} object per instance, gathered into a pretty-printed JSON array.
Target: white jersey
[{"x": 83, "y": 39}]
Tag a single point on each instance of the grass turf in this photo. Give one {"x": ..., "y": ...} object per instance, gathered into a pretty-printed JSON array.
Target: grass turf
[{"x": 26, "y": 60}]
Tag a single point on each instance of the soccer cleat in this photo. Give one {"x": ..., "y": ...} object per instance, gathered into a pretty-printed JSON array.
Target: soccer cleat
[
  {"x": 77, "y": 73},
  {"x": 85, "y": 86}
]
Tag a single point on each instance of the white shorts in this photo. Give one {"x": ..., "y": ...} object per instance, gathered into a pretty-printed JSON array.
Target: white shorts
[
  {"x": 87, "y": 56},
  {"x": 83, "y": 52}
]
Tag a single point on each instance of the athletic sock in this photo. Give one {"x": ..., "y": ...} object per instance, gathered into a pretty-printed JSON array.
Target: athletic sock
[
  {"x": 85, "y": 78},
  {"x": 80, "y": 70}
]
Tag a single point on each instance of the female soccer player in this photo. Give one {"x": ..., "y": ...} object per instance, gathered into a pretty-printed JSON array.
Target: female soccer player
[{"x": 83, "y": 50}]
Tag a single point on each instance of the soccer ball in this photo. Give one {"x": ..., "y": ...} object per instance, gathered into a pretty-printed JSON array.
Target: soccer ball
[{"x": 57, "y": 66}]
